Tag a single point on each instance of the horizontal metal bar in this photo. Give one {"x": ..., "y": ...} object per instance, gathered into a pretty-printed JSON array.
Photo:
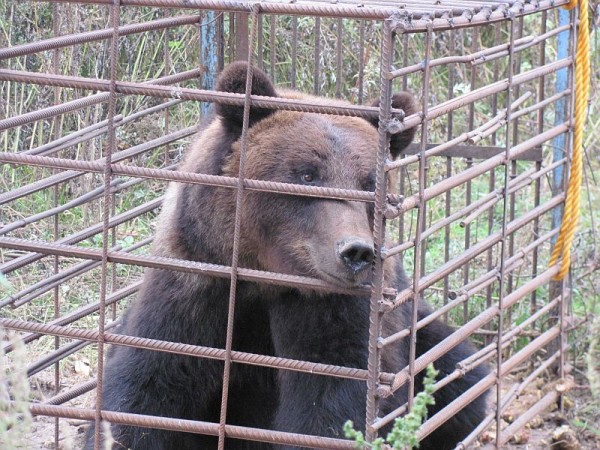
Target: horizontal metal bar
[
  {"x": 481, "y": 168},
  {"x": 467, "y": 329},
  {"x": 97, "y": 35},
  {"x": 76, "y": 104},
  {"x": 69, "y": 175},
  {"x": 80, "y": 313},
  {"x": 489, "y": 420},
  {"x": 513, "y": 333},
  {"x": 479, "y": 206},
  {"x": 79, "y": 236},
  {"x": 410, "y": 16},
  {"x": 475, "y": 152},
  {"x": 469, "y": 290},
  {"x": 36, "y": 186},
  {"x": 540, "y": 105},
  {"x": 98, "y": 166},
  {"x": 38, "y": 289},
  {"x": 447, "y": 379},
  {"x": 455, "y": 59},
  {"x": 72, "y": 393},
  {"x": 192, "y": 350},
  {"x": 205, "y": 269},
  {"x": 95, "y": 130},
  {"x": 483, "y": 385},
  {"x": 452, "y": 148},
  {"x": 153, "y": 88},
  {"x": 523, "y": 46},
  {"x": 78, "y": 201},
  {"x": 468, "y": 98},
  {"x": 190, "y": 426},
  {"x": 486, "y": 243},
  {"x": 317, "y": 106},
  {"x": 541, "y": 405},
  {"x": 57, "y": 355},
  {"x": 515, "y": 185}
]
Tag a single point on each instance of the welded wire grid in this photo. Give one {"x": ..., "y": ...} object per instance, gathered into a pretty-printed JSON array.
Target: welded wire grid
[{"x": 473, "y": 214}]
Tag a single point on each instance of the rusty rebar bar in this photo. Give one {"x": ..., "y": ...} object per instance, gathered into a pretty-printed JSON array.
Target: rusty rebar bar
[{"x": 91, "y": 36}]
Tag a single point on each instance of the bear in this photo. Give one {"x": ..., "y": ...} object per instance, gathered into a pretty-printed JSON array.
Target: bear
[{"x": 327, "y": 239}]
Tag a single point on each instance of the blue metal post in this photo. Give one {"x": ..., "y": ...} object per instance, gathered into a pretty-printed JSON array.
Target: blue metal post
[
  {"x": 562, "y": 109},
  {"x": 209, "y": 50}
]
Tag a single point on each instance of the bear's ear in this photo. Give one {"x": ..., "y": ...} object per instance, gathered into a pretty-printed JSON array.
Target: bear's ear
[
  {"x": 233, "y": 79},
  {"x": 398, "y": 142}
]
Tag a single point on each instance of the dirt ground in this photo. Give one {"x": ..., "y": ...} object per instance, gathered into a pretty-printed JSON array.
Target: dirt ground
[{"x": 578, "y": 427}]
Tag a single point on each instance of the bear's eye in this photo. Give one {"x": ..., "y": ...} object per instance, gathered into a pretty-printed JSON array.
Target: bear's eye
[{"x": 308, "y": 177}]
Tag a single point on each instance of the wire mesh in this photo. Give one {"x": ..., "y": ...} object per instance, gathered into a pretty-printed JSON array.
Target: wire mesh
[{"x": 95, "y": 121}]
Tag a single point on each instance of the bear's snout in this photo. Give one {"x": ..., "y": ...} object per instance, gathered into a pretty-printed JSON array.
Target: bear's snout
[{"x": 356, "y": 254}]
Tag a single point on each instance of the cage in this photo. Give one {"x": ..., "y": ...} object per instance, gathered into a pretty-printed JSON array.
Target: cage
[{"x": 101, "y": 98}]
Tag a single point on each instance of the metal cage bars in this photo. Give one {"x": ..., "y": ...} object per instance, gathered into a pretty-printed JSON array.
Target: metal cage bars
[{"x": 387, "y": 205}]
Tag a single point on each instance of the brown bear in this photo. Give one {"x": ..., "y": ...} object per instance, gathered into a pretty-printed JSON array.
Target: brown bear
[{"x": 323, "y": 238}]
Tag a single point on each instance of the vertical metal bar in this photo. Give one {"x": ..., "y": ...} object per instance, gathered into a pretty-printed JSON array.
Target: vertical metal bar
[
  {"x": 503, "y": 249},
  {"x": 338, "y": 62},
  {"x": 538, "y": 165},
  {"x": 115, "y": 12},
  {"x": 260, "y": 50},
  {"x": 513, "y": 166},
  {"x": 424, "y": 164},
  {"x": 272, "y": 46},
  {"x": 405, "y": 37},
  {"x": 167, "y": 70},
  {"x": 317, "y": 68},
  {"x": 448, "y": 197},
  {"x": 237, "y": 227},
  {"x": 113, "y": 242},
  {"x": 492, "y": 183},
  {"x": 385, "y": 115},
  {"x": 294, "y": 51},
  {"x": 209, "y": 46},
  {"x": 56, "y": 135},
  {"x": 421, "y": 217},
  {"x": 361, "y": 62},
  {"x": 403, "y": 170},
  {"x": 565, "y": 293},
  {"x": 469, "y": 186},
  {"x": 220, "y": 41}
]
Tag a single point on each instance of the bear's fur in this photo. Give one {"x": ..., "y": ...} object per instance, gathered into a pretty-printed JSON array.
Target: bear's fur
[{"x": 326, "y": 239}]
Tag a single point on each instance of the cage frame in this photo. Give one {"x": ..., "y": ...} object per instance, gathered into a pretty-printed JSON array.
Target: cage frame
[{"x": 415, "y": 17}]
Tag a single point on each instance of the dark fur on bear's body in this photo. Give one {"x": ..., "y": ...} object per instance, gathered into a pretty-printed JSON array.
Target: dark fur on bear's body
[{"x": 280, "y": 233}]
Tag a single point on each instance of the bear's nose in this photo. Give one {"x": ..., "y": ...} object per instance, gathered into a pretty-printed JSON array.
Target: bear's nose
[{"x": 356, "y": 254}]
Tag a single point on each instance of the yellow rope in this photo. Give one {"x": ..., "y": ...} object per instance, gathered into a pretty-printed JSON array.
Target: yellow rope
[{"x": 582, "y": 87}]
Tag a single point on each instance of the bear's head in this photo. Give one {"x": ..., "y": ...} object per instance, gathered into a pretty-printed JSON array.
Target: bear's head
[{"x": 299, "y": 235}]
